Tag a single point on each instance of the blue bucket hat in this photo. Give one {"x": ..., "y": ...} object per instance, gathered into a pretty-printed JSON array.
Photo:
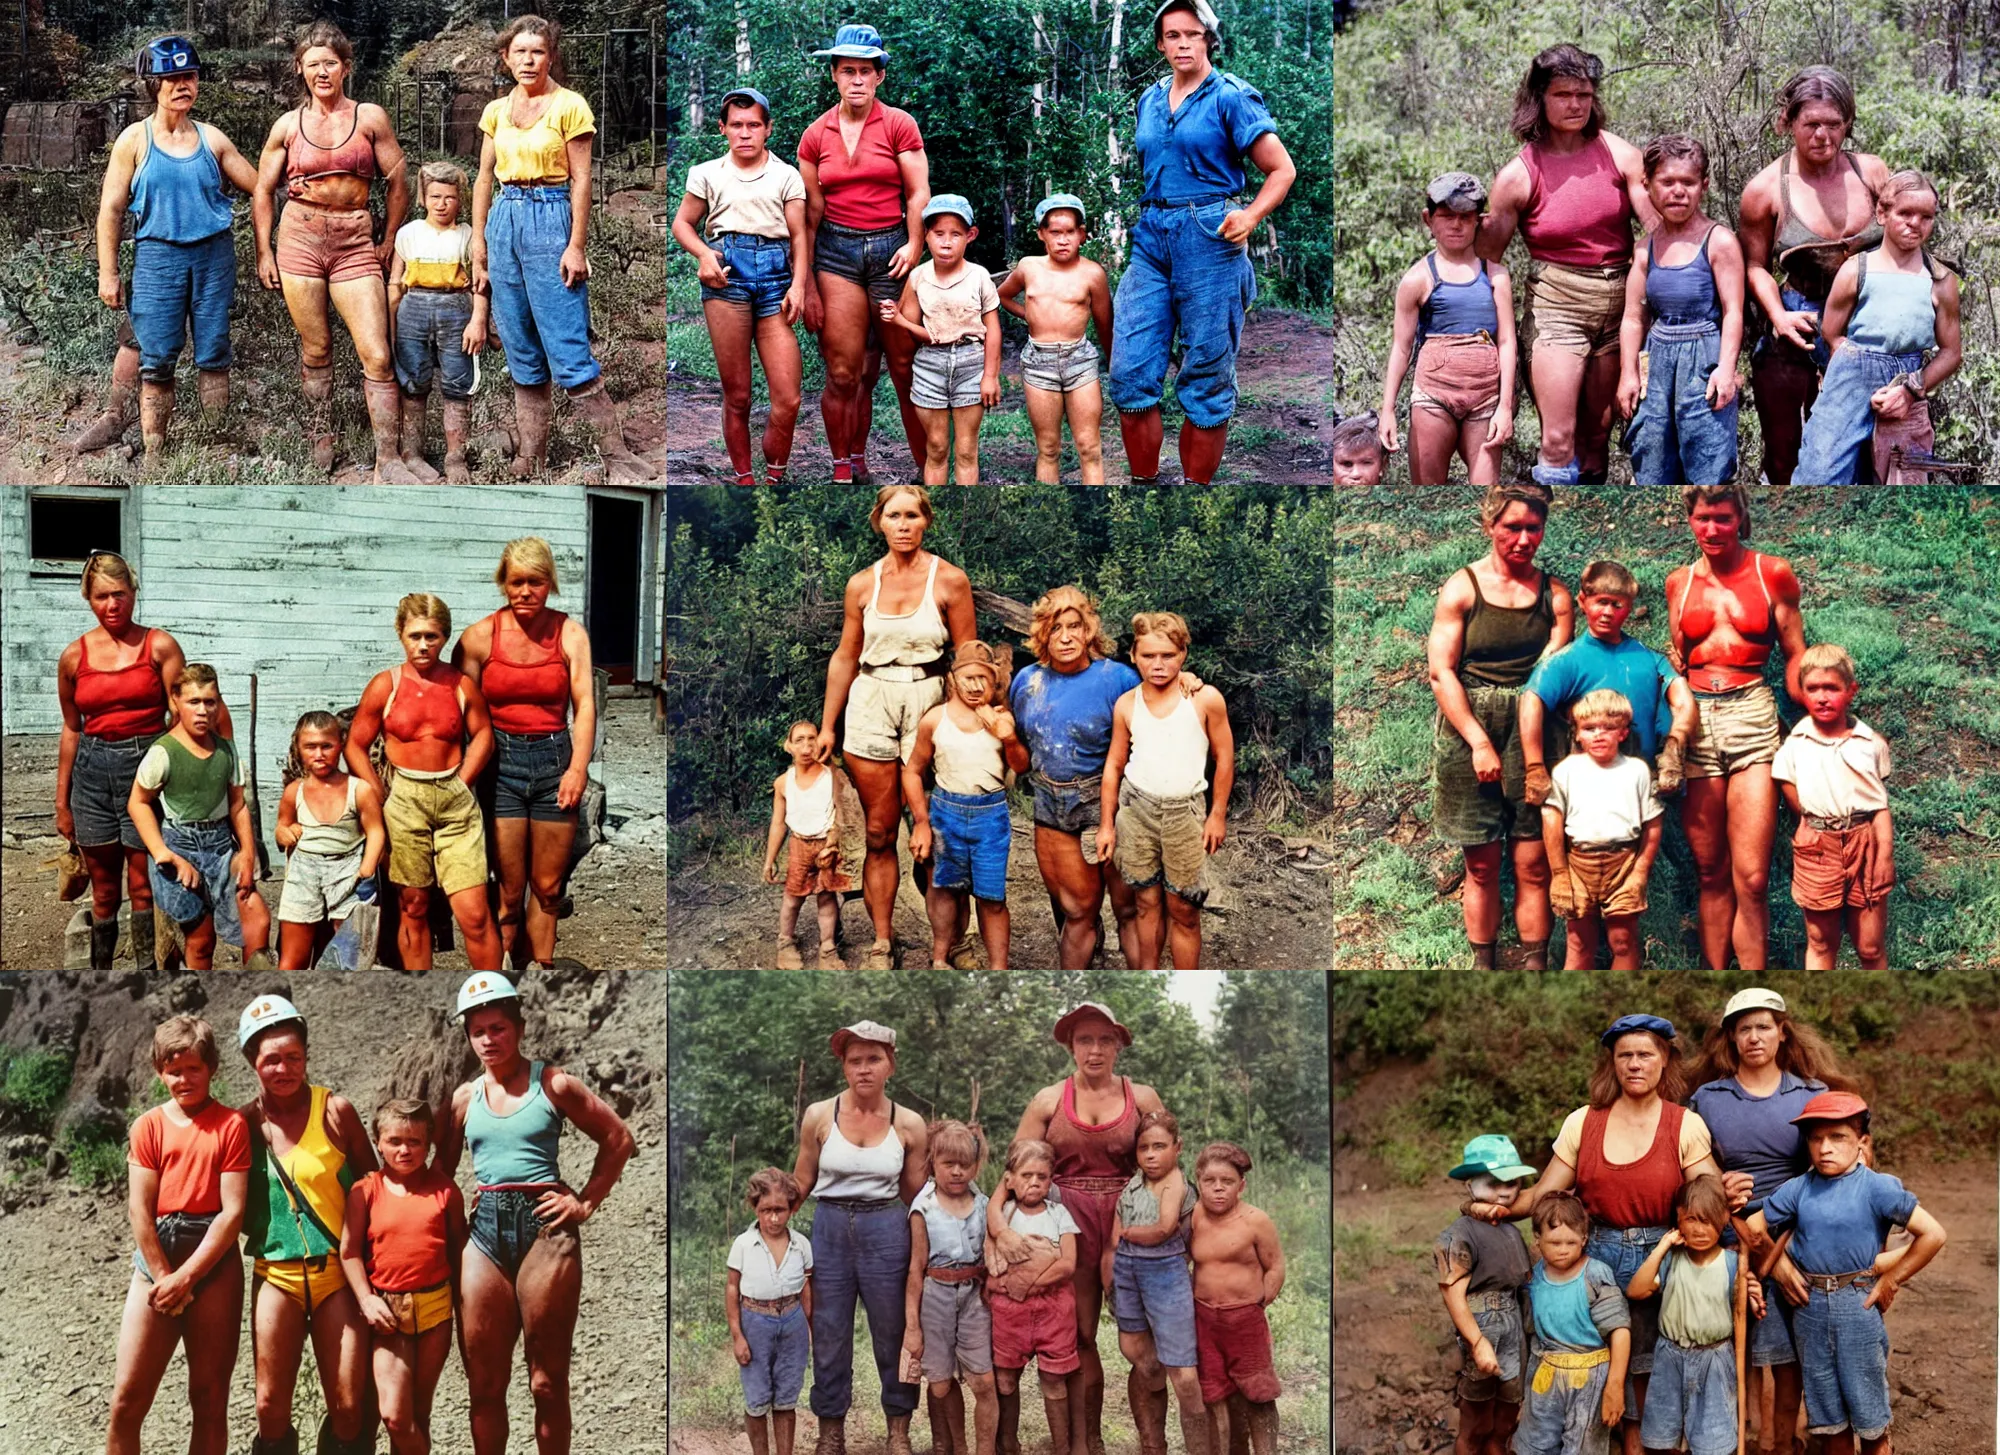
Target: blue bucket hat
[
  {"x": 1626, "y": 1024},
  {"x": 1491, "y": 1156},
  {"x": 857, "y": 42},
  {"x": 952, "y": 203},
  {"x": 744, "y": 93},
  {"x": 1058, "y": 201}
]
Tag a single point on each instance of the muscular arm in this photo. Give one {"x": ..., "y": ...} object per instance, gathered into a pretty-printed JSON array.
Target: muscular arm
[
  {"x": 1269, "y": 156},
  {"x": 1840, "y": 301},
  {"x": 916, "y": 171},
  {"x": 72, "y": 735},
  {"x": 1790, "y": 623},
  {"x": 1950, "y": 354},
  {"x": 271, "y": 172},
  {"x": 394, "y": 167},
  {"x": 597, "y": 1121},
  {"x": 1504, "y": 206},
  {"x": 346, "y": 1130},
  {"x": 916, "y": 1156},
  {"x": 806, "y": 1170},
  {"x": 1563, "y": 607},
  {"x": 582, "y": 700},
  {"x": 1442, "y": 650},
  {"x": 1271, "y": 1254},
  {"x": 1100, "y": 306},
  {"x": 1757, "y": 228},
  {"x": 1115, "y": 758},
  {"x": 478, "y": 734},
  {"x": 451, "y": 1137},
  {"x": 577, "y": 152},
  {"x": 1221, "y": 742},
  {"x": 1725, "y": 260},
  {"x": 954, "y": 599},
  {"x": 1034, "y": 1127},
  {"x": 362, "y": 732},
  {"x": 1410, "y": 295},
  {"x": 1632, "y": 167},
  {"x": 112, "y": 201},
  {"x": 242, "y": 176}
]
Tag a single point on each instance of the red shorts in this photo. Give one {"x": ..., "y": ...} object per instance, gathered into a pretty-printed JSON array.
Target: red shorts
[
  {"x": 316, "y": 243},
  {"x": 1093, "y": 1213},
  {"x": 803, "y": 874},
  {"x": 1233, "y": 1353},
  {"x": 1042, "y": 1328}
]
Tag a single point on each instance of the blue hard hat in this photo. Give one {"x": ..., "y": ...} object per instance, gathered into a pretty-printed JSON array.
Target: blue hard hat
[
  {"x": 170, "y": 55},
  {"x": 1057, "y": 202},
  {"x": 857, "y": 42}
]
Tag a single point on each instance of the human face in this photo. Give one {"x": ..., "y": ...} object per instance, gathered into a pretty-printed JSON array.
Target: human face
[
  {"x": 1606, "y": 615},
  {"x": 319, "y": 751},
  {"x": 1566, "y": 105},
  {"x": 1717, "y": 526},
  {"x": 1909, "y": 218},
  {"x": 1676, "y": 188},
  {"x": 774, "y": 1212},
  {"x": 1452, "y": 231},
  {"x": 868, "y": 1065},
  {"x": 1157, "y": 1151},
  {"x": 325, "y": 74},
  {"x": 1094, "y": 1046},
  {"x": 199, "y": 706},
  {"x": 748, "y": 132},
  {"x": 441, "y": 203},
  {"x": 1031, "y": 1183},
  {"x": 187, "y": 1079},
  {"x": 903, "y": 522},
  {"x": 178, "y": 93},
  {"x": 1757, "y": 1037},
  {"x": 404, "y": 1146},
  {"x": 1221, "y": 1187},
  {"x": 527, "y": 592},
  {"x": 495, "y": 1039},
  {"x": 528, "y": 59},
  {"x": 953, "y": 1174},
  {"x": 856, "y": 81},
  {"x": 1600, "y": 738},
  {"x": 1062, "y": 237},
  {"x": 1827, "y": 696},
  {"x": 1357, "y": 464},
  {"x": 111, "y": 603},
  {"x": 1561, "y": 1248},
  {"x": 423, "y": 640},
  {"x": 1698, "y": 1235},
  {"x": 1184, "y": 43},
  {"x": 803, "y": 745},
  {"x": 1069, "y": 640},
  {"x": 946, "y": 236},
  {"x": 1504, "y": 1194},
  {"x": 1833, "y": 1146},
  {"x": 280, "y": 1064},
  {"x": 1818, "y": 131},
  {"x": 973, "y": 684},
  {"x": 1159, "y": 661},
  {"x": 1639, "y": 1063},
  {"x": 1517, "y": 534}
]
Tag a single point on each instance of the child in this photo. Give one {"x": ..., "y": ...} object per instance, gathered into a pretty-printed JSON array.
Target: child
[
  {"x": 1455, "y": 320},
  {"x": 1238, "y": 1270},
  {"x": 954, "y": 308},
  {"x": 965, "y": 828},
  {"x": 750, "y": 209},
  {"x": 1059, "y": 295},
  {"x": 1155, "y": 826},
  {"x": 1145, "y": 1267},
  {"x": 1601, "y": 827},
  {"x": 330, "y": 828},
  {"x": 1831, "y": 770},
  {"x": 1888, "y": 305},
  {"x": 437, "y": 322},
  {"x": 1693, "y": 1394},
  {"x": 1680, "y": 392},
  {"x": 949, "y": 1330},
  {"x": 769, "y": 1303},
  {"x": 1358, "y": 454},
  {"x": 804, "y": 801},
  {"x": 399, "y": 1248},
  {"x": 1838, "y": 1214},
  {"x": 1480, "y": 1270},
  {"x": 1577, "y": 1310},
  {"x": 201, "y": 885},
  {"x": 190, "y": 1180},
  {"x": 1039, "y": 1321}
]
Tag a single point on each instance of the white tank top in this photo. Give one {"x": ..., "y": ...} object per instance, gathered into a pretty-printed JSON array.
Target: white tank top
[
  {"x": 911, "y": 640},
  {"x": 809, "y": 811},
  {"x": 846, "y": 1170},
  {"x": 967, "y": 762},
  {"x": 342, "y": 836},
  {"x": 1168, "y": 753}
]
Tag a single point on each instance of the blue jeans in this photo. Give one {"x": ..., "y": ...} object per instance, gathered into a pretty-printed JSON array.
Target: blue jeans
[
  {"x": 209, "y": 846},
  {"x": 1692, "y": 1393},
  {"x": 777, "y": 1368},
  {"x": 1841, "y": 427},
  {"x": 1622, "y": 1250},
  {"x": 528, "y": 771},
  {"x": 760, "y": 271},
  {"x": 175, "y": 285},
  {"x": 861, "y": 1249},
  {"x": 1674, "y": 437},
  {"x": 1183, "y": 280},
  {"x": 1796, "y": 302},
  {"x": 1844, "y": 1358},
  {"x": 1562, "y": 1420},
  {"x": 430, "y": 338},
  {"x": 1155, "y": 1294},
  {"x": 1771, "y": 1336},
  {"x": 862, "y": 258},
  {"x": 543, "y": 326},
  {"x": 970, "y": 837}
]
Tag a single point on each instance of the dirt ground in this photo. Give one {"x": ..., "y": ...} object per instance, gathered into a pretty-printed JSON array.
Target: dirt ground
[
  {"x": 617, "y": 922},
  {"x": 1282, "y": 418},
  {"x": 65, "y": 1251}
]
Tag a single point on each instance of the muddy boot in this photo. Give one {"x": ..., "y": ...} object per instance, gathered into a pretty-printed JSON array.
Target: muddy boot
[
  {"x": 1194, "y": 1432},
  {"x": 156, "y": 408},
  {"x": 1008, "y": 1441},
  {"x": 103, "y": 941},
  {"x": 286, "y": 1444},
  {"x": 142, "y": 941},
  {"x": 1057, "y": 1409},
  {"x": 832, "y": 1433},
  {"x": 599, "y": 418},
  {"x": 318, "y": 390},
  {"x": 413, "y": 440},
  {"x": 457, "y": 427},
  {"x": 330, "y": 1444},
  {"x": 121, "y": 407},
  {"x": 1149, "y": 1414},
  {"x": 214, "y": 386},
  {"x": 1535, "y": 954},
  {"x": 385, "y": 413},
  {"x": 531, "y": 427},
  {"x": 965, "y": 954},
  {"x": 899, "y": 1435}
]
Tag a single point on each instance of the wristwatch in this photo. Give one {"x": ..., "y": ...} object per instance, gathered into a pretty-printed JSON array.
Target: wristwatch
[{"x": 1913, "y": 382}]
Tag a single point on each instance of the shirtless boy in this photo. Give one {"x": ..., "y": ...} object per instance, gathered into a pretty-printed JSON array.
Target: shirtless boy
[
  {"x": 1058, "y": 295},
  {"x": 1238, "y": 1270}
]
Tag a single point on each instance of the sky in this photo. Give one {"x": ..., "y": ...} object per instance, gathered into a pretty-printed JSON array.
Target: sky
[{"x": 1196, "y": 989}]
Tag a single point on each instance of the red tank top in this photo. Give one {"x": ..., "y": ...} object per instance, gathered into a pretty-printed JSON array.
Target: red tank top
[
  {"x": 1631, "y": 1194},
  {"x": 1743, "y": 599},
  {"x": 421, "y": 704},
  {"x": 526, "y": 696},
  {"x": 1105, "y": 1151},
  {"x": 305, "y": 159},
  {"x": 1579, "y": 214},
  {"x": 126, "y": 702}
]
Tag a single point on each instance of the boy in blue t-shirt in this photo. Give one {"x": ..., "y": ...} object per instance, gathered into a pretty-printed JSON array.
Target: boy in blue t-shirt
[
  {"x": 1581, "y": 1343},
  {"x": 1837, "y": 1215}
]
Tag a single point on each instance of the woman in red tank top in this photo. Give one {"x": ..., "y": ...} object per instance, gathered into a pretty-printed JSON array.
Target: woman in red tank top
[{"x": 533, "y": 665}]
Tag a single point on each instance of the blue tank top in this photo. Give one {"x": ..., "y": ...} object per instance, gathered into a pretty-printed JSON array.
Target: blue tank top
[
  {"x": 1685, "y": 294},
  {"x": 1459, "y": 307},
  {"x": 178, "y": 199},
  {"x": 1894, "y": 313},
  {"x": 519, "y": 1148}
]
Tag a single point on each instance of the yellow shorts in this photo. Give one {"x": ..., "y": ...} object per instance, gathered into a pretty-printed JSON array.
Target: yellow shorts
[
  {"x": 435, "y": 836},
  {"x": 1573, "y": 310},
  {"x": 293, "y": 1278},
  {"x": 420, "y": 1311}
]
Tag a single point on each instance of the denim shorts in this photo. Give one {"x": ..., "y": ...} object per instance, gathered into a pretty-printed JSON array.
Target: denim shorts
[
  {"x": 1059, "y": 368},
  {"x": 1156, "y": 1295},
  {"x": 760, "y": 271},
  {"x": 947, "y": 376},
  {"x": 543, "y": 325},
  {"x": 504, "y": 1226},
  {"x": 779, "y": 1346},
  {"x": 1503, "y": 1330},
  {"x": 1692, "y": 1394},
  {"x": 1622, "y": 1250},
  {"x": 209, "y": 846},
  {"x": 1771, "y": 1336},
  {"x": 100, "y": 782},
  {"x": 1561, "y": 1420},
  {"x": 970, "y": 837},
  {"x": 430, "y": 339},
  {"x": 176, "y": 286},
  {"x": 1844, "y": 1361},
  {"x": 1184, "y": 282},
  {"x": 862, "y": 258},
  {"x": 528, "y": 770}
]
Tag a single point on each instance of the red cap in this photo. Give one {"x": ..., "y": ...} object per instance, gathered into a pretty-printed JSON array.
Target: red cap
[{"x": 1832, "y": 1106}]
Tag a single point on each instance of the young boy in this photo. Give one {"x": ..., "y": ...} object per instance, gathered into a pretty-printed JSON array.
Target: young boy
[
  {"x": 1481, "y": 1269},
  {"x": 1034, "y": 1309},
  {"x": 1838, "y": 1213},
  {"x": 1155, "y": 826},
  {"x": 437, "y": 323},
  {"x": 1059, "y": 295},
  {"x": 768, "y": 1300},
  {"x": 399, "y": 1249},
  {"x": 1601, "y": 827},
  {"x": 806, "y": 802},
  {"x": 1455, "y": 321},
  {"x": 204, "y": 887},
  {"x": 953, "y": 307},
  {"x": 1831, "y": 770},
  {"x": 1581, "y": 1344},
  {"x": 1358, "y": 455},
  {"x": 1239, "y": 1269}
]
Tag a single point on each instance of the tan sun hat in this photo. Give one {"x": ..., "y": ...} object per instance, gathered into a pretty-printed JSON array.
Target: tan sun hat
[
  {"x": 1066, "y": 1027},
  {"x": 1755, "y": 998},
  {"x": 862, "y": 1031}
]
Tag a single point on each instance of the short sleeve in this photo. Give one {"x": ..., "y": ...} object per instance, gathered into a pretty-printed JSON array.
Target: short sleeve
[
  {"x": 989, "y": 296},
  {"x": 1649, "y": 801},
  {"x": 152, "y": 768},
  {"x": 489, "y": 119},
  {"x": 1550, "y": 680},
  {"x": 1247, "y": 116},
  {"x": 1781, "y": 1208},
  {"x": 574, "y": 118},
  {"x": 1665, "y": 669},
  {"x": 1784, "y": 767},
  {"x": 1696, "y": 1143},
  {"x": 698, "y": 185},
  {"x": 1608, "y": 1309},
  {"x": 402, "y": 241},
  {"x": 1569, "y": 1141},
  {"x": 145, "y": 1148},
  {"x": 1453, "y": 1255},
  {"x": 736, "y": 1255},
  {"x": 1891, "y": 1200},
  {"x": 1067, "y": 1224},
  {"x": 1558, "y": 798},
  {"x": 235, "y": 1143},
  {"x": 793, "y": 188},
  {"x": 1882, "y": 756},
  {"x": 809, "y": 145},
  {"x": 904, "y": 135},
  {"x": 805, "y": 1250}
]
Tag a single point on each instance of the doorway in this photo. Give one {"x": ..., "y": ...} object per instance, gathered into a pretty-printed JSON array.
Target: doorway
[{"x": 617, "y": 537}]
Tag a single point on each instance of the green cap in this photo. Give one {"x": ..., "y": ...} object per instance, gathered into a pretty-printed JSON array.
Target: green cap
[{"x": 1492, "y": 1156}]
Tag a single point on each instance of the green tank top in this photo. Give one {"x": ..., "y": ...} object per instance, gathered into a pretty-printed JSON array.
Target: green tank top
[
  {"x": 193, "y": 789},
  {"x": 273, "y": 1228},
  {"x": 1503, "y": 643}
]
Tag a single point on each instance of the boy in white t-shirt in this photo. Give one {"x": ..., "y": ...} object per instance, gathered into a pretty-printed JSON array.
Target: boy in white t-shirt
[
  {"x": 954, "y": 308},
  {"x": 768, "y": 1300},
  {"x": 1601, "y": 827},
  {"x": 743, "y": 221},
  {"x": 437, "y": 323}
]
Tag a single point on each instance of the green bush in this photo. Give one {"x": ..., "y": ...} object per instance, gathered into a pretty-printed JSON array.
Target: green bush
[
  {"x": 32, "y": 1087},
  {"x": 96, "y": 1158}
]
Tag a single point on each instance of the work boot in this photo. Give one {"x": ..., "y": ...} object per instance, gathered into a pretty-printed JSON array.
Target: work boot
[
  {"x": 385, "y": 413},
  {"x": 142, "y": 941},
  {"x": 413, "y": 440},
  {"x": 899, "y": 1435},
  {"x": 286, "y": 1444},
  {"x": 121, "y": 407},
  {"x": 214, "y": 386},
  {"x": 832, "y": 1432},
  {"x": 457, "y": 427},
  {"x": 1149, "y": 1414},
  {"x": 531, "y": 428},
  {"x": 329, "y": 1443},
  {"x": 599, "y": 419},
  {"x": 156, "y": 408},
  {"x": 103, "y": 941},
  {"x": 317, "y": 386},
  {"x": 965, "y": 954}
]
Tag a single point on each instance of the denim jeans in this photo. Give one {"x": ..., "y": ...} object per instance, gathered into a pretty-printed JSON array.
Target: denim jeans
[
  {"x": 543, "y": 325},
  {"x": 1562, "y": 1420},
  {"x": 210, "y": 847},
  {"x": 1841, "y": 426},
  {"x": 430, "y": 339},
  {"x": 777, "y": 1368},
  {"x": 1622, "y": 1250},
  {"x": 1692, "y": 1393},
  {"x": 760, "y": 271},
  {"x": 861, "y": 1250},
  {"x": 1797, "y": 302},
  {"x": 971, "y": 834},
  {"x": 1674, "y": 437},
  {"x": 1844, "y": 1358},
  {"x": 1183, "y": 280},
  {"x": 175, "y": 285}
]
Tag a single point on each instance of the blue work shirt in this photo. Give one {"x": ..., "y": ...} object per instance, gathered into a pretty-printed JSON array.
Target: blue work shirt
[
  {"x": 1631, "y": 668},
  {"x": 1195, "y": 154},
  {"x": 1838, "y": 1223},
  {"x": 1065, "y": 717},
  {"x": 1755, "y": 1134}
]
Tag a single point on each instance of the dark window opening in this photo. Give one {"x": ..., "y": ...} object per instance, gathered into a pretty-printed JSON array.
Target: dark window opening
[
  {"x": 617, "y": 530},
  {"x": 68, "y": 528}
]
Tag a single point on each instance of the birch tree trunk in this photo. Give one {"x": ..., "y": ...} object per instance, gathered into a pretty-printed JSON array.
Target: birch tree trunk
[
  {"x": 694, "y": 109},
  {"x": 1114, "y": 71},
  {"x": 742, "y": 40}
]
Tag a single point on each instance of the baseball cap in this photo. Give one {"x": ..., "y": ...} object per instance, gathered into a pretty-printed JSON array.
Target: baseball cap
[
  {"x": 1491, "y": 1156},
  {"x": 951, "y": 203},
  {"x": 1203, "y": 11},
  {"x": 744, "y": 93},
  {"x": 1058, "y": 200},
  {"x": 862, "y": 1031},
  {"x": 1833, "y": 1106},
  {"x": 857, "y": 42},
  {"x": 1458, "y": 191},
  {"x": 1756, "y": 998}
]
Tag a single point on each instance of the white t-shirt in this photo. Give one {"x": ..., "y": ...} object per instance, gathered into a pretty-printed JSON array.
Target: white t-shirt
[
  {"x": 752, "y": 203},
  {"x": 1834, "y": 776},
  {"x": 435, "y": 257},
  {"x": 1051, "y": 1221},
  {"x": 763, "y": 1276},
  {"x": 1603, "y": 805},
  {"x": 956, "y": 310}
]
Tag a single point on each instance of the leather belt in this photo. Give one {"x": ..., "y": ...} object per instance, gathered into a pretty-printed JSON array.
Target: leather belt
[{"x": 770, "y": 1305}]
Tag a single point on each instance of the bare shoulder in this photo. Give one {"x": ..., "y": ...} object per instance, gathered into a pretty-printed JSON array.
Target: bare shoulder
[
  {"x": 283, "y": 129},
  {"x": 375, "y": 121},
  {"x": 1210, "y": 700},
  {"x": 1455, "y": 595},
  {"x": 1259, "y": 1220},
  {"x": 1145, "y": 1098},
  {"x": 72, "y": 654},
  {"x": 1047, "y": 1100},
  {"x": 480, "y": 633},
  {"x": 1627, "y": 156},
  {"x": 1784, "y": 578},
  {"x": 1096, "y": 272},
  {"x": 1123, "y": 706},
  {"x": 816, "y": 1116},
  {"x": 1510, "y": 183},
  {"x": 778, "y": 783},
  {"x": 952, "y": 576},
  {"x": 573, "y": 635},
  {"x": 130, "y": 141},
  {"x": 1723, "y": 243},
  {"x": 1874, "y": 171},
  {"x": 858, "y": 585},
  {"x": 364, "y": 792},
  {"x": 461, "y": 1099},
  {"x": 1558, "y": 593},
  {"x": 911, "y": 1121}
]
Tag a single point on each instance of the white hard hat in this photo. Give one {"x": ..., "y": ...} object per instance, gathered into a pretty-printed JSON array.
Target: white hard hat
[
  {"x": 483, "y": 989},
  {"x": 263, "y": 1013}
]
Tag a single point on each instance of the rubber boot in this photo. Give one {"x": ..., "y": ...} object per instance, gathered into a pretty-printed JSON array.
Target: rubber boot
[
  {"x": 457, "y": 427},
  {"x": 142, "y": 941},
  {"x": 531, "y": 426},
  {"x": 1194, "y": 1432},
  {"x": 1093, "y": 1419},
  {"x": 121, "y": 407},
  {"x": 413, "y": 440},
  {"x": 385, "y": 413},
  {"x": 1149, "y": 1414},
  {"x": 1008, "y": 1441},
  {"x": 599, "y": 417},
  {"x": 286, "y": 1444},
  {"x": 103, "y": 941},
  {"x": 899, "y": 1435},
  {"x": 1058, "y": 1412},
  {"x": 317, "y": 386},
  {"x": 214, "y": 386},
  {"x": 156, "y": 408},
  {"x": 1484, "y": 957},
  {"x": 1535, "y": 954},
  {"x": 832, "y": 1433}
]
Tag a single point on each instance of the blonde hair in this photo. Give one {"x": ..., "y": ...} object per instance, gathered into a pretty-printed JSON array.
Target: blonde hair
[
  {"x": 1607, "y": 578},
  {"x": 179, "y": 1034},
  {"x": 1826, "y": 657},
  {"x": 1602, "y": 705},
  {"x": 407, "y": 1109},
  {"x": 1049, "y": 609},
  {"x": 424, "y": 604},
  {"x": 108, "y": 563},
  {"x": 1168, "y": 624},
  {"x": 1030, "y": 1149},
  {"x": 444, "y": 174},
  {"x": 194, "y": 674},
  {"x": 948, "y": 1137},
  {"x": 529, "y": 553},
  {"x": 889, "y": 492}
]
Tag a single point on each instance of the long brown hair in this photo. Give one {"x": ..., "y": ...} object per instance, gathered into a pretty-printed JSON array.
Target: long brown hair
[
  {"x": 1804, "y": 1052},
  {"x": 1604, "y": 1088},
  {"x": 1531, "y": 122}
]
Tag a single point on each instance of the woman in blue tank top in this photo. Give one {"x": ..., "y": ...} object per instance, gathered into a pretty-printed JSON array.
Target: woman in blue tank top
[{"x": 523, "y": 1263}]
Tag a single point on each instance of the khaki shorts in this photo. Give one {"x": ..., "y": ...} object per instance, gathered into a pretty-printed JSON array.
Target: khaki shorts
[
  {"x": 1732, "y": 731},
  {"x": 435, "y": 836},
  {"x": 1159, "y": 842},
  {"x": 1573, "y": 310},
  {"x": 882, "y": 715},
  {"x": 1829, "y": 867},
  {"x": 1599, "y": 882},
  {"x": 1458, "y": 375}
]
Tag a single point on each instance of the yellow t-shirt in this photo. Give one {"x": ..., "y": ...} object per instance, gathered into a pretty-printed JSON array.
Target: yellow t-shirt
[
  {"x": 538, "y": 153},
  {"x": 435, "y": 257}
]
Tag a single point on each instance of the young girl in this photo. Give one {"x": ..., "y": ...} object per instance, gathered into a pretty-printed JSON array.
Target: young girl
[
  {"x": 437, "y": 323},
  {"x": 1455, "y": 321},
  {"x": 1034, "y": 1313},
  {"x": 769, "y": 1302},
  {"x": 330, "y": 829},
  {"x": 751, "y": 252},
  {"x": 190, "y": 1178},
  {"x": 806, "y": 802},
  {"x": 949, "y": 1329},
  {"x": 972, "y": 739},
  {"x": 399, "y": 1249},
  {"x": 1680, "y": 392},
  {"x": 1145, "y": 1267},
  {"x": 1888, "y": 305}
]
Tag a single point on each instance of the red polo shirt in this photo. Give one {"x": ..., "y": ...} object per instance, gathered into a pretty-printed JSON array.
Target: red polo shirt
[{"x": 866, "y": 191}]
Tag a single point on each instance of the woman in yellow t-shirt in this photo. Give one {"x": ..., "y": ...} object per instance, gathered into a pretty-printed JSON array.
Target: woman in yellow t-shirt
[{"x": 538, "y": 145}]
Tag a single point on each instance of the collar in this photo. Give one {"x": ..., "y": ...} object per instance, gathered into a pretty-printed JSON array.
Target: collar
[
  {"x": 1786, "y": 1082},
  {"x": 831, "y": 120},
  {"x": 1808, "y": 728},
  {"x": 1165, "y": 84}
]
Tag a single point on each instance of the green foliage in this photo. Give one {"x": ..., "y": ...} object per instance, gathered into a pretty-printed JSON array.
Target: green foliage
[
  {"x": 32, "y": 1087},
  {"x": 96, "y": 1157}
]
